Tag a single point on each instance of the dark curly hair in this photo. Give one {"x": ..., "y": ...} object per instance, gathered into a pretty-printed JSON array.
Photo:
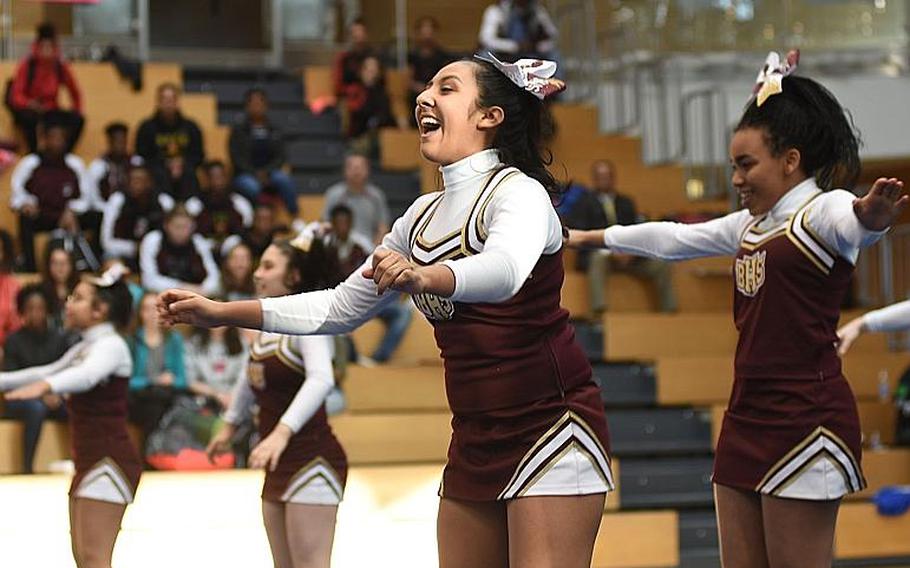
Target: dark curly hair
[
  {"x": 807, "y": 117},
  {"x": 527, "y": 124},
  {"x": 315, "y": 268}
]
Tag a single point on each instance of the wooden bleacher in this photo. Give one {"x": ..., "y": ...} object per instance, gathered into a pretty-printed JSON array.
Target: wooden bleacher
[{"x": 107, "y": 98}]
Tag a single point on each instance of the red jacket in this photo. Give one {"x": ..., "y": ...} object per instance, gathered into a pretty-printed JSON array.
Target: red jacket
[{"x": 45, "y": 83}]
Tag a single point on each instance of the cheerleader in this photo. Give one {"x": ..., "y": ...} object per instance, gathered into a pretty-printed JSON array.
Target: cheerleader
[
  {"x": 789, "y": 447},
  {"x": 895, "y": 317},
  {"x": 94, "y": 374},
  {"x": 528, "y": 465},
  {"x": 289, "y": 377}
]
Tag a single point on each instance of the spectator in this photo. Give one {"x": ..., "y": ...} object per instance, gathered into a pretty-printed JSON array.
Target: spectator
[
  {"x": 365, "y": 200},
  {"x": 222, "y": 212},
  {"x": 425, "y": 60},
  {"x": 259, "y": 236},
  {"x": 130, "y": 214},
  {"x": 350, "y": 248},
  {"x": 171, "y": 145},
  {"x": 215, "y": 360},
  {"x": 9, "y": 289},
  {"x": 58, "y": 280},
  {"x": 257, "y": 152},
  {"x": 33, "y": 345},
  {"x": 369, "y": 108},
  {"x": 73, "y": 239},
  {"x": 110, "y": 172},
  {"x": 513, "y": 29},
  {"x": 35, "y": 88},
  {"x": 603, "y": 207},
  {"x": 159, "y": 372},
  {"x": 178, "y": 257},
  {"x": 237, "y": 273},
  {"x": 44, "y": 187},
  {"x": 346, "y": 72}
]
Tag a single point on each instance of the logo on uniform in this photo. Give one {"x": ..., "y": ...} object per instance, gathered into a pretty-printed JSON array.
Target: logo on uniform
[
  {"x": 434, "y": 307},
  {"x": 750, "y": 273}
]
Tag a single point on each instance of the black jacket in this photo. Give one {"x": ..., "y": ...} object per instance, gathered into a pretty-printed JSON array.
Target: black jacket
[
  {"x": 241, "y": 147},
  {"x": 588, "y": 213}
]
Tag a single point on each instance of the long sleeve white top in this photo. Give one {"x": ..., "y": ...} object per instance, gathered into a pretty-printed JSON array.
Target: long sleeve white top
[
  {"x": 521, "y": 225},
  {"x": 830, "y": 216},
  {"x": 154, "y": 280},
  {"x": 895, "y": 317},
  {"x": 316, "y": 353},
  {"x": 495, "y": 18},
  {"x": 23, "y": 171},
  {"x": 100, "y": 354}
]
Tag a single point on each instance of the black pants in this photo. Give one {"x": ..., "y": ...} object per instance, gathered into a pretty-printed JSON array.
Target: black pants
[
  {"x": 28, "y": 226},
  {"x": 29, "y": 120}
]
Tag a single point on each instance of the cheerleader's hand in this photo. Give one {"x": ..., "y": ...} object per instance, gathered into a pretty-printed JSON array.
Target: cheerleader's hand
[
  {"x": 878, "y": 209},
  {"x": 220, "y": 442},
  {"x": 267, "y": 452},
  {"x": 848, "y": 333},
  {"x": 29, "y": 391},
  {"x": 393, "y": 271},
  {"x": 183, "y": 306},
  {"x": 578, "y": 239}
]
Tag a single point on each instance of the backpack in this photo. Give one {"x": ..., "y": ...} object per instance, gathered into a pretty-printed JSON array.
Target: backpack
[{"x": 30, "y": 76}]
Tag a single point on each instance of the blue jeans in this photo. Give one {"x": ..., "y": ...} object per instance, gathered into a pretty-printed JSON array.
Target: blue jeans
[
  {"x": 248, "y": 185},
  {"x": 32, "y": 414},
  {"x": 397, "y": 317}
]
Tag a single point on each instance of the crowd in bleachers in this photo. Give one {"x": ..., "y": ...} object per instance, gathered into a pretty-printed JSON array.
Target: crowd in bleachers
[{"x": 153, "y": 201}]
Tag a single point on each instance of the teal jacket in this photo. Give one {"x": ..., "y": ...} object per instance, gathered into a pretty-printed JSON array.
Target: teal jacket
[{"x": 173, "y": 360}]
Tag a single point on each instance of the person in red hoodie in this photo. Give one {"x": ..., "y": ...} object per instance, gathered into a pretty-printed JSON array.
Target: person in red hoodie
[{"x": 34, "y": 91}]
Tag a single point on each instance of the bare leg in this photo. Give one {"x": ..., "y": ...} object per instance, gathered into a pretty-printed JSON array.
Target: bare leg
[
  {"x": 472, "y": 534},
  {"x": 275, "y": 529},
  {"x": 310, "y": 533},
  {"x": 96, "y": 524},
  {"x": 740, "y": 528},
  {"x": 554, "y": 531},
  {"x": 799, "y": 533}
]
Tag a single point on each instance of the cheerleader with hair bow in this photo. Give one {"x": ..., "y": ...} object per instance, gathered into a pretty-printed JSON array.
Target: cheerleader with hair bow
[
  {"x": 528, "y": 463},
  {"x": 94, "y": 376}
]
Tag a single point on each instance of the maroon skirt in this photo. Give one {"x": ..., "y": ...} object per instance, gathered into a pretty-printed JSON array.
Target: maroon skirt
[
  {"x": 312, "y": 470},
  {"x": 797, "y": 439},
  {"x": 555, "y": 446},
  {"x": 107, "y": 463}
]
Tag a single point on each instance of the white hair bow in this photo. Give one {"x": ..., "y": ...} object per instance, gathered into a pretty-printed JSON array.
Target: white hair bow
[
  {"x": 111, "y": 276},
  {"x": 304, "y": 240},
  {"x": 770, "y": 78},
  {"x": 532, "y": 75}
]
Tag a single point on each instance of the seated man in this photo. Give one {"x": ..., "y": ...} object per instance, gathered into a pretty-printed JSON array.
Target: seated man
[
  {"x": 33, "y": 99},
  {"x": 257, "y": 152},
  {"x": 222, "y": 212},
  {"x": 110, "y": 172},
  {"x": 34, "y": 344},
  {"x": 601, "y": 207},
  {"x": 515, "y": 29},
  {"x": 178, "y": 257},
  {"x": 350, "y": 250},
  {"x": 45, "y": 186},
  {"x": 171, "y": 145},
  {"x": 130, "y": 214}
]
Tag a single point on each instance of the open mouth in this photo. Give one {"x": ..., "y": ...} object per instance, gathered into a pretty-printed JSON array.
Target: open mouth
[{"x": 428, "y": 125}]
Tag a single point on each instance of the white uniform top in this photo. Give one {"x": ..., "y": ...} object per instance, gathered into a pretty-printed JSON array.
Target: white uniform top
[
  {"x": 830, "y": 216},
  {"x": 27, "y": 166},
  {"x": 100, "y": 354},
  {"x": 153, "y": 280},
  {"x": 114, "y": 247},
  {"x": 895, "y": 317},
  {"x": 521, "y": 225},
  {"x": 315, "y": 355}
]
